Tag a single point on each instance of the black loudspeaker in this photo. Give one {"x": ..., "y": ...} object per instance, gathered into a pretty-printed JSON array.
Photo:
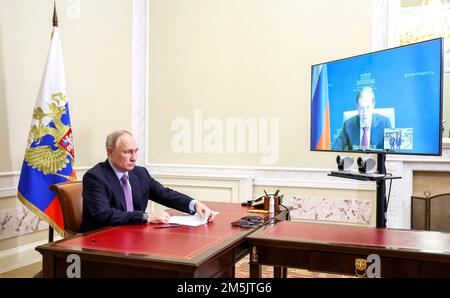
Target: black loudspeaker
[
  {"x": 253, "y": 218},
  {"x": 344, "y": 163},
  {"x": 366, "y": 165}
]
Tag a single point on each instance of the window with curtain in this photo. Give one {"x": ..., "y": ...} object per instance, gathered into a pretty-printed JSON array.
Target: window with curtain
[{"x": 424, "y": 19}]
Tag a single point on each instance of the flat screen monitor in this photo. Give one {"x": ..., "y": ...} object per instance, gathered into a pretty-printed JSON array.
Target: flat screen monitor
[{"x": 388, "y": 101}]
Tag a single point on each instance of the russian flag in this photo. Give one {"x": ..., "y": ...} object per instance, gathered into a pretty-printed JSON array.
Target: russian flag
[
  {"x": 49, "y": 156},
  {"x": 320, "y": 109}
]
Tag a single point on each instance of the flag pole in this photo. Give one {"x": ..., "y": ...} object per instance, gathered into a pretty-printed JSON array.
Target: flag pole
[
  {"x": 55, "y": 24},
  {"x": 55, "y": 15},
  {"x": 42, "y": 168}
]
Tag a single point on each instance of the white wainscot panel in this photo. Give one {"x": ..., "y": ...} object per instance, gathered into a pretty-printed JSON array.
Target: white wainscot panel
[
  {"x": 331, "y": 210},
  {"x": 233, "y": 189},
  {"x": 19, "y": 221}
]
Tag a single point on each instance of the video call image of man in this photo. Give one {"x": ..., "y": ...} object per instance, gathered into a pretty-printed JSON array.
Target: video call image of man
[
  {"x": 365, "y": 130},
  {"x": 116, "y": 191}
]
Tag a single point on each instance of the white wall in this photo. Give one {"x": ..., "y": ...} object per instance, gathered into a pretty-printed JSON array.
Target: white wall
[{"x": 245, "y": 59}]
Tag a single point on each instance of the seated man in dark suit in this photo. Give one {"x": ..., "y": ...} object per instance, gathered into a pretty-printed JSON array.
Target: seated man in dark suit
[
  {"x": 116, "y": 191},
  {"x": 365, "y": 130}
]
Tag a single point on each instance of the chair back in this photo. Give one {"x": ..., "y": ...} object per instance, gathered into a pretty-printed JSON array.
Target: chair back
[{"x": 71, "y": 200}]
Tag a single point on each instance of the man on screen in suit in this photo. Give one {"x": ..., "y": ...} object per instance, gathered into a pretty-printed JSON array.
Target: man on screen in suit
[
  {"x": 116, "y": 191},
  {"x": 365, "y": 130}
]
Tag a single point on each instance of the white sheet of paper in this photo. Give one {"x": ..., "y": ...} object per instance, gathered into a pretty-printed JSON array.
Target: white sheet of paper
[{"x": 190, "y": 220}]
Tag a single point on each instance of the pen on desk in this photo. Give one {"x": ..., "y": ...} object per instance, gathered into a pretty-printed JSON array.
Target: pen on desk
[
  {"x": 169, "y": 226},
  {"x": 257, "y": 211}
]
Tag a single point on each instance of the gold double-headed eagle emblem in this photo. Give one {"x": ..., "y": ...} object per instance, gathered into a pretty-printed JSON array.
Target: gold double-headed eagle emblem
[{"x": 43, "y": 158}]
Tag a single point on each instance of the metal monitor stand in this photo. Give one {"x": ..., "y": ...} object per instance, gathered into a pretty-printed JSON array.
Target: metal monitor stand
[
  {"x": 380, "y": 177},
  {"x": 381, "y": 192}
]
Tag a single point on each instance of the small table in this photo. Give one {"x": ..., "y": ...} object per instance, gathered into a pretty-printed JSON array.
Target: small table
[{"x": 336, "y": 248}]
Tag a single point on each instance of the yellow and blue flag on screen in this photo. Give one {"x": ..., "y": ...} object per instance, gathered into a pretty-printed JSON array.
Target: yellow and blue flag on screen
[{"x": 49, "y": 156}]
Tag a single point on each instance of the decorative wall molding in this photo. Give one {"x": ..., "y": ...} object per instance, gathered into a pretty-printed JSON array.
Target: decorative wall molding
[
  {"x": 379, "y": 25},
  {"x": 19, "y": 221},
  {"x": 401, "y": 165},
  {"x": 265, "y": 176},
  {"x": 215, "y": 184},
  {"x": 233, "y": 184},
  {"x": 10, "y": 180},
  {"x": 330, "y": 210},
  {"x": 20, "y": 256},
  {"x": 233, "y": 189},
  {"x": 8, "y": 184},
  {"x": 140, "y": 75},
  {"x": 8, "y": 192},
  {"x": 393, "y": 13}
]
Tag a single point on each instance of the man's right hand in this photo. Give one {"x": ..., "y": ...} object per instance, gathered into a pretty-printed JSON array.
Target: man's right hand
[{"x": 158, "y": 217}]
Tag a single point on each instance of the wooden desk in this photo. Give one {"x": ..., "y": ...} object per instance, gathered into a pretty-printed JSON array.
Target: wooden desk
[
  {"x": 142, "y": 251},
  {"x": 334, "y": 248}
]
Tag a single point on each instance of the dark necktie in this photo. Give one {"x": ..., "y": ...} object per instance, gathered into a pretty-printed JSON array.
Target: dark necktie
[{"x": 127, "y": 192}]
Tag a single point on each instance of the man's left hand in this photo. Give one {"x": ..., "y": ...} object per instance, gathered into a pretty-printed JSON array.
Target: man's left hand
[{"x": 202, "y": 209}]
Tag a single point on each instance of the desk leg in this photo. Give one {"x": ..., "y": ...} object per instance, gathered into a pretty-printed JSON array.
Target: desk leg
[
  {"x": 255, "y": 271},
  {"x": 279, "y": 272},
  {"x": 48, "y": 266}
]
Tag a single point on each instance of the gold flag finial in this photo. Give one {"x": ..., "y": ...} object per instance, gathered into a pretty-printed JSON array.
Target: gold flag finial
[{"x": 55, "y": 16}]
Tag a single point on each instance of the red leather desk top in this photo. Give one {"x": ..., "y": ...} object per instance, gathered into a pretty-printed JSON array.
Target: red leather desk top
[
  {"x": 179, "y": 242},
  {"x": 435, "y": 242}
]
